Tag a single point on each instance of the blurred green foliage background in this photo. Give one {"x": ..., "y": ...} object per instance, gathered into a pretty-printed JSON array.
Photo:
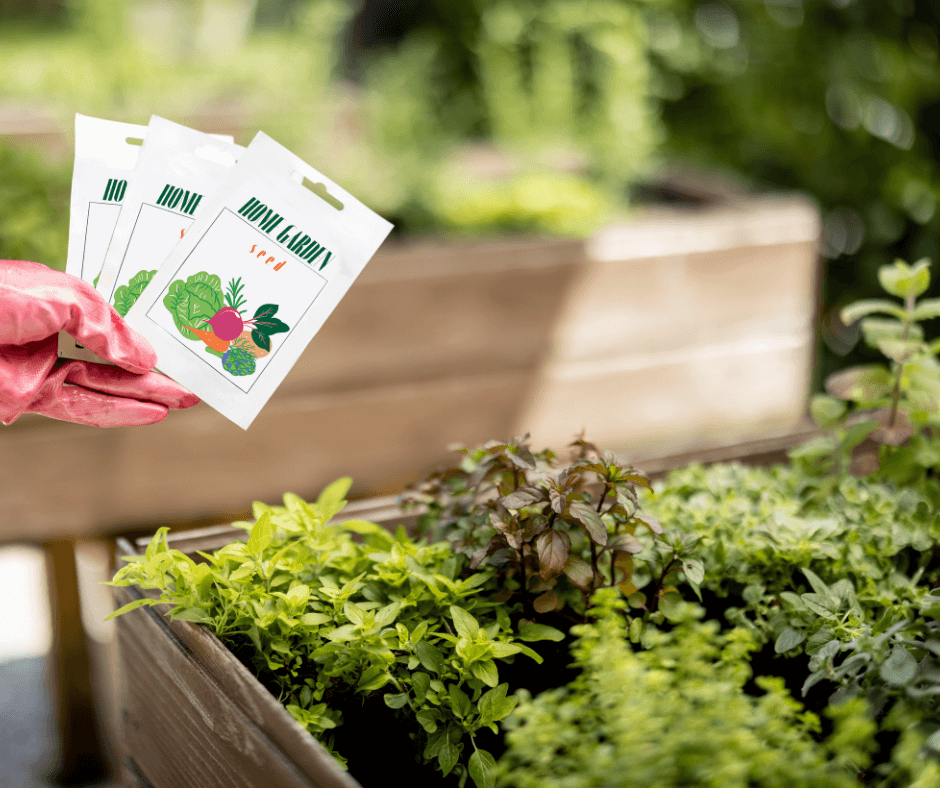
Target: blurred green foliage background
[{"x": 513, "y": 115}]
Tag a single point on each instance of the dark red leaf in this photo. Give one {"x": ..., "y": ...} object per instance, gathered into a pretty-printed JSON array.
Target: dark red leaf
[
  {"x": 546, "y": 602},
  {"x": 627, "y": 543},
  {"x": 590, "y": 520},
  {"x": 579, "y": 571},
  {"x": 523, "y": 497},
  {"x": 553, "y": 547},
  {"x": 649, "y": 521}
]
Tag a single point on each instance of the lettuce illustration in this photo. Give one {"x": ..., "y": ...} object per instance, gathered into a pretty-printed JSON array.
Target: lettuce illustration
[
  {"x": 200, "y": 296},
  {"x": 126, "y": 295}
]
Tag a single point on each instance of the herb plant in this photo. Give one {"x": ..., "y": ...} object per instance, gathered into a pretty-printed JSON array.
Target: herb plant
[
  {"x": 898, "y": 403},
  {"x": 330, "y": 623},
  {"x": 837, "y": 586},
  {"x": 554, "y": 532},
  {"x": 676, "y": 714}
]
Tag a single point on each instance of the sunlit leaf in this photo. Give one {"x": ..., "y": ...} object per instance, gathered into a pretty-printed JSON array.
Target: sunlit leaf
[{"x": 591, "y": 520}]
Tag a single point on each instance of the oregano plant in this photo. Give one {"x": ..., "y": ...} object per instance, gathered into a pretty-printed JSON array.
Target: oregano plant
[{"x": 331, "y": 616}]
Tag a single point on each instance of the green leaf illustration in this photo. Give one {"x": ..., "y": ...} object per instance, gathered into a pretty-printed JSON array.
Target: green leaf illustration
[{"x": 126, "y": 295}]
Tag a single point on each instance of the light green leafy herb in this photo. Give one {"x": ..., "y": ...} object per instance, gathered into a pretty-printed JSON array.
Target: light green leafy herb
[{"x": 319, "y": 615}]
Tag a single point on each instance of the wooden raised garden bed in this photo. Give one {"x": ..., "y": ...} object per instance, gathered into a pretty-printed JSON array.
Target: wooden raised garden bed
[{"x": 192, "y": 714}]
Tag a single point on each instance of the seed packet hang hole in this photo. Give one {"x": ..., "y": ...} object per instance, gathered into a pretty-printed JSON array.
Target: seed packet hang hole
[
  {"x": 253, "y": 279},
  {"x": 177, "y": 168}
]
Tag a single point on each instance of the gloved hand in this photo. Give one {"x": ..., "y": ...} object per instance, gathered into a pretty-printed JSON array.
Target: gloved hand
[{"x": 37, "y": 302}]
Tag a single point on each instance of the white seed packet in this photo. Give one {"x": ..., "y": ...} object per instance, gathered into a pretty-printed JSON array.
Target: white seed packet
[
  {"x": 254, "y": 278},
  {"x": 177, "y": 170},
  {"x": 105, "y": 159}
]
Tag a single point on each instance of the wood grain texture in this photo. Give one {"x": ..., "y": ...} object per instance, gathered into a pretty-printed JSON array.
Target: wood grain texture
[
  {"x": 182, "y": 729},
  {"x": 417, "y": 357},
  {"x": 80, "y": 756},
  {"x": 198, "y": 464}
]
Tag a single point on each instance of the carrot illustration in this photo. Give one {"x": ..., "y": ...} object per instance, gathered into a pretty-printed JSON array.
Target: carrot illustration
[{"x": 214, "y": 343}]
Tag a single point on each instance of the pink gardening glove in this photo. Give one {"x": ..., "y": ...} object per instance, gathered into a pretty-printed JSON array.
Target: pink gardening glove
[{"x": 37, "y": 302}]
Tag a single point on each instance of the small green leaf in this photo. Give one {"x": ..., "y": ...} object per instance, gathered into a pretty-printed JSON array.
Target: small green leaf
[
  {"x": 820, "y": 605},
  {"x": 860, "y": 309},
  {"x": 902, "y": 280},
  {"x": 860, "y": 384},
  {"x": 430, "y": 656},
  {"x": 386, "y": 615},
  {"x": 194, "y": 614},
  {"x": 900, "y": 350},
  {"x": 342, "y": 634},
  {"x": 789, "y": 639},
  {"x": 486, "y": 672},
  {"x": 694, "y": 570},
  {"x": 335, "y": 493},
  {"x": 465, "y": 624},
  {"x": 373, "y": 679},
  {"x": 261, "y": 535},
  {"x": 459, "y": 700},
  {"x": 448, "y": 755},
  {"x": 483, "y": 769},
  {"x": 502, "y": 650},
  {"x": 427, "y": 719},
  {"x": 874, "y": 329},
  {"x": 315, "y": 619},
  {"x": 531, "y": 633},
  {"x": 396, "y": 701},
  {"x": 826, "y": 411},
  {"x": 816, "y": 583},
  {"x": 420, "y": 682},
  {"x": 920, "y": 277},
  {"x": 927, "y": 309},
  {"x": 130, "y": 606},
  {"x": 899, "y": 668}
]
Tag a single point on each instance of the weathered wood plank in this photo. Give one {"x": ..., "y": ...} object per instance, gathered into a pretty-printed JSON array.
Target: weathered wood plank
[
  {"x": 182, "y": 729},
  {"x": 198, "y": 464},
  {"x": 80, "y": 756}
]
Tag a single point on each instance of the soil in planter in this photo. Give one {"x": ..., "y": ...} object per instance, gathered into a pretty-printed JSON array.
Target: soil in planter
[{"x": 375, "y": 740}]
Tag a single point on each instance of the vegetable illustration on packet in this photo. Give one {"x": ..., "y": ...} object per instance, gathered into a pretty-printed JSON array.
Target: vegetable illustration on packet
[
  {"x": 254, "y": 277},
  {"x": 237, "y": 340}
]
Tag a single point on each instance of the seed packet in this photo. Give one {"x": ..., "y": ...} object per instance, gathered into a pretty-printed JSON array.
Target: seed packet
[
  {"x": 177, "y": 169},
  {"x": 106, "y": 153},
  {"x": 104, "y": 159},
  {"x": 251, "y": 282}
]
